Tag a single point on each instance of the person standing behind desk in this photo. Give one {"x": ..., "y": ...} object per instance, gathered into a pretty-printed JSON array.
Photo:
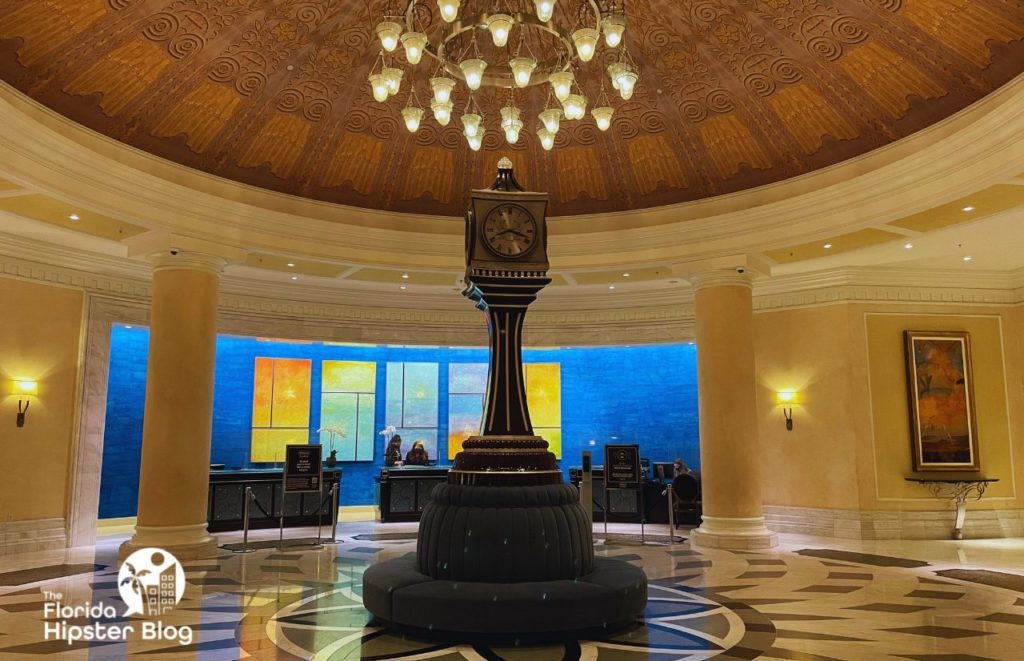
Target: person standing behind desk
[
  {"x": 417, "y": 455},
  {"x": 679, "y": 467},
  {"x": 393, "y": 455}
]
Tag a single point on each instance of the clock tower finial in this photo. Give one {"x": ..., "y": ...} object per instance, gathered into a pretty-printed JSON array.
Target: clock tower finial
[{"x": 506, "y": 180}]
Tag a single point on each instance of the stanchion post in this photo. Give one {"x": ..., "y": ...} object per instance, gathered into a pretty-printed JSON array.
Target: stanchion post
[
  {"x": 671, "y": 516},
  {"x": 643, "y": 515},
  {"x": 335, "y": 489},
  {"x": 587, "y": 488},
  {"x": 245, "y": 522}
]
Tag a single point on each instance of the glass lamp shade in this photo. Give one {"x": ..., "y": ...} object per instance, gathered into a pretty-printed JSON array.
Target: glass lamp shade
[
  {"x": 627, "y": 82},
  {"x": 522, "y": 69},
  {"x": 615, "y": 70},
  {"x": 473, "y": 70},
  {"x": 551, "y": 118},
  {"x": 379, "y": 87},
  {"x": 393, "y": 79},
  {"x": 511, "y": 124},
  {"x": 471, "y": 124},
  {"x": 442, "y": 111},
  {"x": 388, "y": 32},
  {"x": 476, "y": 141},
  {"x": 500, "y": 25},
  {"x": 412, "y": 116},
  {"x": 614, "y": 27},
  {"x": 442, "y": 88},
  {"x": 585, "y": 40},
  {"x": 603, "y": 117},
  {"x": 561, "y": 84},
  {"x": 512, "y": 131},
  {"x": 575, "y": 106},
  {"x": 547, "y": 139},
  {"x": 545, "y": 9},
  {"x": 449, "y": 9},
  {"x": 414, "y": 43}
]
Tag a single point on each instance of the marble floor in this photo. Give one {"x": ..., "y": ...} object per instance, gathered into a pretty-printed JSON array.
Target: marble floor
[{"x": 811, "y": 598}]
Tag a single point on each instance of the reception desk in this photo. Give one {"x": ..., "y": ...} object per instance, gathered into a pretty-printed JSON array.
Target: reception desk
[
  {"x": 624, "y": 505},
  {"x": 227, "y": 500},
  {"x": 403, "y": 491}
]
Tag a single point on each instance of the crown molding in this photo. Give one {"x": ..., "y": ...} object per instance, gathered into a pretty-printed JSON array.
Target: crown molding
[
  {"x": 121, "y": 290},
  {"x": 974, "y": 148}
]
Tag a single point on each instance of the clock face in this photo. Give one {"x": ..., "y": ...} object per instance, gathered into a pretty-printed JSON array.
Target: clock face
[{"x": 509, "y": 230}]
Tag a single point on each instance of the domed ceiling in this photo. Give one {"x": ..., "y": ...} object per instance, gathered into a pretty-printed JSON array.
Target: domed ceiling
[{"x": 733, "y": 94}]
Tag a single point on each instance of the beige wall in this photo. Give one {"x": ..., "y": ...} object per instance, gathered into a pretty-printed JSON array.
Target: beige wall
[
  {"x": 850, "y": 446},
  {"x": 40, "y": 336}
]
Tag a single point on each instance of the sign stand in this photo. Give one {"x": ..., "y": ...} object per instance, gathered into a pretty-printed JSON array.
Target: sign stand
[
  {"x": 303, "y": 473},
  {"x": 622, "y": 468}
]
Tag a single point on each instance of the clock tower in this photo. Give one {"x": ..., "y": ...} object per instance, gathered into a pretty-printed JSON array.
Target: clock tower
[{"x": 506, "y": 266}]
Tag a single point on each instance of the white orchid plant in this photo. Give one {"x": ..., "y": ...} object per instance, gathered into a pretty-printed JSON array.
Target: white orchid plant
[{"x": 333, "y": 432}]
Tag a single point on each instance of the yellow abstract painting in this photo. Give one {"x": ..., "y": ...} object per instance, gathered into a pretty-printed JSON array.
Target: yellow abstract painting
[{"x": 280, "y": 406}]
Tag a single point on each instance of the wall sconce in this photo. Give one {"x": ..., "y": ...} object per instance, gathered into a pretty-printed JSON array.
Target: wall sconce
[
  {"x": 27, "y": 388},
  {"x": 786, "y": 399}
]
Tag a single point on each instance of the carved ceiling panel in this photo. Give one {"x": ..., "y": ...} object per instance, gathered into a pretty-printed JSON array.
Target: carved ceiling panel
[{"x": 733, "y": 94}]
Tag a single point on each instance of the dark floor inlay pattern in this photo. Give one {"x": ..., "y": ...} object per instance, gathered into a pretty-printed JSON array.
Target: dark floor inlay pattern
[
  {"x": 836, "y": 589},
  {"x": 23, "y": 576},
  {"x": 1005, "y": 618},
  {"x": 946, "y": 657},
  {"x": 987, "y": 577},
  {"x": 862, "y": 558},
  {"x": 762, "y": 574},
  {"x": 693, "y": 564},
  {"x": 890, "y": 608},
  {"x": 940, "y": 632},
  {"x": 780, "y": 653},
  {"x": 765, "y": 561},
  {"x": 812, "y": 635},
  {"x": 935, "y": 594},
  {"x": 384, "y": 536},
  {"x": 851, "y": 575}
]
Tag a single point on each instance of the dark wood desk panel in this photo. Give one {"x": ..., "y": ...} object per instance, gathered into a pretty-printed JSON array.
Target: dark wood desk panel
[
  {"x": 403, "y": 491},
  {"x": 226, "y": 501}
]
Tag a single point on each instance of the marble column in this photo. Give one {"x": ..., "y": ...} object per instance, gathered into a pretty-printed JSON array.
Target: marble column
[
  {"x": 729, "y": 454},
  {"x": 175, "y": 471}
]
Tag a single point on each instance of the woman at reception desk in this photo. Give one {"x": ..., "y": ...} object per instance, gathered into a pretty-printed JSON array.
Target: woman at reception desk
[{"x": 403, "y": 488}]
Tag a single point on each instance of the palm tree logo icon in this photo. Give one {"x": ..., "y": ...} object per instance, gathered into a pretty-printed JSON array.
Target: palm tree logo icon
[{"x": 151, "y": 582}]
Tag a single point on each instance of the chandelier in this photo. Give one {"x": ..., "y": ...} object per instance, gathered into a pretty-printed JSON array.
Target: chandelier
[{"x": 535, "y": 50}]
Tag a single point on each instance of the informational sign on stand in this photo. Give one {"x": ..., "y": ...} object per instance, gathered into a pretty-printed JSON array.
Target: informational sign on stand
[
  {"x": 303, "y": 468},
  {"x": 622, "y": 466}
]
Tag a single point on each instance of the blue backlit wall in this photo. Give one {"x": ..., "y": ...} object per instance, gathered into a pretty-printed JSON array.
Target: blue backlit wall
[{"x": 646, "y": 395}]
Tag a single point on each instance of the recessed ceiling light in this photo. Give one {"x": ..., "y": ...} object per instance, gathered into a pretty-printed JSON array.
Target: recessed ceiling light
[
  {"x": 291, "y": 264},
  {"x": 967, "y": 258},
  {"x": 73, "y": 216},
  {"x": 968, "y": 208},
  {"x": 625, "y": 275},
  {"x": 827, "y": 246},
  {"x": 402, "y": 287},
  {"x": 405, "y": 276},
  {"x": 129, "y": 327},
  {"x": 295, "y": 277},
  {"x": 611, "y": 286},
  {"x": 908, "y": 246}
]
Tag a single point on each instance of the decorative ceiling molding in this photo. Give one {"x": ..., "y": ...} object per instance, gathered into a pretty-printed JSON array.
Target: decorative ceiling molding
[
  {"x": 956, "y": 157},
  {"x": 249, "y": 308}
]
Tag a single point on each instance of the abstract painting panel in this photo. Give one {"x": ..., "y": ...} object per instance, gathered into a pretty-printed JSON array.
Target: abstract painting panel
[
  {"x": 411, "y": 403},
  {"x": 347, "y": 405},
  {"x": 280, "y": 410},
  {"x": 940, "y": 385}
]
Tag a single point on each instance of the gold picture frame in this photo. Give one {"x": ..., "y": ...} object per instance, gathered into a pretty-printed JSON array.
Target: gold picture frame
[{"x": 940, "y": 389}]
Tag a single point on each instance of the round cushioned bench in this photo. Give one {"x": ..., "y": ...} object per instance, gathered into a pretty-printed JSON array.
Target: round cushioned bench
[{"x": 614, "y": 593}]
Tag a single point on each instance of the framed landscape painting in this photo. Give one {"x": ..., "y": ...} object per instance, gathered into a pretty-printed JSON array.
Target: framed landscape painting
[{"x": 940, "y": 385}]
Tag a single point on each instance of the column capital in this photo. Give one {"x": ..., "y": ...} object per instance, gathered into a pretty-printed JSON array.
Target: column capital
[
  {"x": 730, "y": 277},
  {"x": 184, "y": 260},
  {"x": 168, "y": 250}
]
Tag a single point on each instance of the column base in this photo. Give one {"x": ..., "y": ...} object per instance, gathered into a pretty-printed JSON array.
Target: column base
[
  {"x": 733, "y": 533},
  {"x": 185, "y": 542}
]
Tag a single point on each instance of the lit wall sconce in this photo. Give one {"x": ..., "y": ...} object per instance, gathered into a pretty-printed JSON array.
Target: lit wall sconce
[
  {"x": 26, "y": 388},
  {"x": 786, "y": 399}
]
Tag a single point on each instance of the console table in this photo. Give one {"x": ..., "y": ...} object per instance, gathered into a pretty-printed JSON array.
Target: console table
[{"x": 957, "y": 489}]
